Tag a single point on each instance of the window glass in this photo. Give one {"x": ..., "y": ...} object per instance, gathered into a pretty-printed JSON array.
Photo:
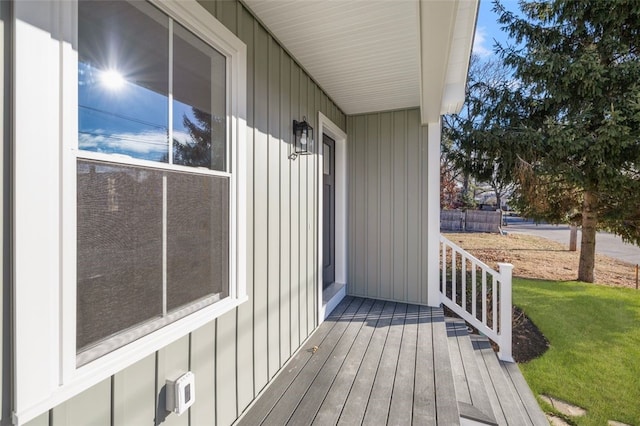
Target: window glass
[
  {"x": 152, "y": 242},
  {"x": 199, "y": 113},
  {"x": 123, "y": 79},
  {"x": 326, "y": 159},
  {"x": 197, "y": 237},
  {"x": 119, "y": 236}
]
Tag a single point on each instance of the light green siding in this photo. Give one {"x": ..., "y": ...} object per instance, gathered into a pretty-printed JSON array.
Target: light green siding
[
  {"x": 134, "y": 393},
  {"x": 41, "y": 420},
  {"x": 387, "y": 174},
  {"x": 203, "y": 350},
  {"x": 91, "y": 408},
  {"x": 235, "y": 356}
]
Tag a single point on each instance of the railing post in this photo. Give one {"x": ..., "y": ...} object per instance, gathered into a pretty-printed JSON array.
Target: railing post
[{"x": 506, "y": 312}]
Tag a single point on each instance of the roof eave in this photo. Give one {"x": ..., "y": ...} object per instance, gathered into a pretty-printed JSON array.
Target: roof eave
[{"x": 446, "y": 33}]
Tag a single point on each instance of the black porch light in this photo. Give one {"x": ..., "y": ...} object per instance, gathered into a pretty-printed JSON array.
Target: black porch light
[{"x": 302, "y": 138}]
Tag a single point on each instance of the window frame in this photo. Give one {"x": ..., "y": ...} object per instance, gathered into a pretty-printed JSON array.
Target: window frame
[
  {"x": 44, "y": 203},
  {"x": 126, "y": 336}
]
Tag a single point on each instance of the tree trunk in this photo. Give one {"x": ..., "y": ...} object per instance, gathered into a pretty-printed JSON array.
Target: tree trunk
[
  {"x": 588, "y": 243},
  {"x": 465, "y": 183},
  {"x": 573, "y": 238}
]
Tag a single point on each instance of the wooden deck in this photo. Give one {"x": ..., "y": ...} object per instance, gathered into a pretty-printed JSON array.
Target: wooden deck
[{"x": 375, "y": 363}]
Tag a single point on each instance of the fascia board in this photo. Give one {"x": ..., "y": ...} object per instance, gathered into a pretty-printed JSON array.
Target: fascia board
[{"x": 446, "y": 31}]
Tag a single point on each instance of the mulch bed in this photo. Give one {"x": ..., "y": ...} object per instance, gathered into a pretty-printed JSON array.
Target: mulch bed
[{"x": 528, "y": 341}]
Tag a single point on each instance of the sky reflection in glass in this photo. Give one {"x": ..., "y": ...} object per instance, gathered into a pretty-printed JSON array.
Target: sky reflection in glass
[
  {"x": 123, "y": 88},
  {"x": 131, "y": 120}
]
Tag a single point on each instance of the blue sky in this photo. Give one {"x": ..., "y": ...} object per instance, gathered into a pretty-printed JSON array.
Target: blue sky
[
  {"x": 129, "y": 120},
  {"x": 488, "y": 29}
]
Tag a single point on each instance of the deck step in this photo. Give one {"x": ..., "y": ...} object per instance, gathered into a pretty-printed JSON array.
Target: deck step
[
  {"x": 509, "y": 385},
  {"x": 470, "y": 415},
  {"x": 469, "y": 383},
  {"x": 483, "y": 381}
]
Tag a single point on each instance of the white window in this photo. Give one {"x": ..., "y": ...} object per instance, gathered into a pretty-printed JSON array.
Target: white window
[{"x": 129, "y": 177}]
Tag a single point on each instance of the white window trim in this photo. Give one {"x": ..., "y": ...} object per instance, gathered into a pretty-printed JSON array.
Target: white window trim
[{"x": 44, "y": 242}]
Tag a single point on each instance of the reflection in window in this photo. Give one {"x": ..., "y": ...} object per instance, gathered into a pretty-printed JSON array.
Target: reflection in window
[
  {"x": 123, "y": 79},
  {"x": 123, "y": 87},
  {"x": 198, "y": 102}
]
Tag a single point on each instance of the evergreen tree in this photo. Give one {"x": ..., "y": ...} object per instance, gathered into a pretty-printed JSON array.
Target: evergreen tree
[
  {"x": 578, "y": 65},
  {"x": 206, "y": 147},
  {"x": 474, "y": 140}
]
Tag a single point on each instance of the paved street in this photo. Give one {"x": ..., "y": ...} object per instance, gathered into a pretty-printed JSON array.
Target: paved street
[{"x": 608, "y": 244}]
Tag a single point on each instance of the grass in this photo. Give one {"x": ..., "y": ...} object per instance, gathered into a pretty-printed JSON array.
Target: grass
[{"x": 594, "y": 357}]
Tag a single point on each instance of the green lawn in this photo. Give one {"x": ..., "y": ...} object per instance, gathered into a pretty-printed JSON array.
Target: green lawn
[{"x": 594, "y": 357}]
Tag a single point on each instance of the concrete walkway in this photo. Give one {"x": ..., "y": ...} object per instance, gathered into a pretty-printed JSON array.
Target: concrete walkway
[{"x": 606, "y": 243}]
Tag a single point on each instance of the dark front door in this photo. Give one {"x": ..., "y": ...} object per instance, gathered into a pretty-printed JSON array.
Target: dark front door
[{"x": 328, "y": 211}]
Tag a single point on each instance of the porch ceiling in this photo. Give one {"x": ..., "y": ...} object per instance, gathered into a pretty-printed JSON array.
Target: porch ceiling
[{"x": 377, "y": 55}]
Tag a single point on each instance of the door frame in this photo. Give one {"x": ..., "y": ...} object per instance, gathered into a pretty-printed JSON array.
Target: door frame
[{"x": 329, "y": 298}]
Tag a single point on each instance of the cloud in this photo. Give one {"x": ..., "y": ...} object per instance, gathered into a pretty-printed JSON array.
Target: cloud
[
  {"x": 479, "y": 43},
  {"x": 147, "y": 144},
  {"x": 143, "y": 143}
]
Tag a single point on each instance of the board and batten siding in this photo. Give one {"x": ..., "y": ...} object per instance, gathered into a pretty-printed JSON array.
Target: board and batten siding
[
  {"x": 387, "y": 219},
  {"x": 235, "y": 356}
]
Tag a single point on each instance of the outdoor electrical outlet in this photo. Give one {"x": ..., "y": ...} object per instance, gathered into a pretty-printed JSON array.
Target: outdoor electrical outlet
[{"x": 180, "y": 393}]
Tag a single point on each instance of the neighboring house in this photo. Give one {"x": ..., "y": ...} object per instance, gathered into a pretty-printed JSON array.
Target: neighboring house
[{"x": 155, "y": 220}]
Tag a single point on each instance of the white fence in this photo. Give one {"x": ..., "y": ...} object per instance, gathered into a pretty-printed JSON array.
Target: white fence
[{"x": 478, "y": 294}]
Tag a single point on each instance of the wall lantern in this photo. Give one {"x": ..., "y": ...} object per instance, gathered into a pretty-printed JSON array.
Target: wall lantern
[{"x": 302, "y": 138}]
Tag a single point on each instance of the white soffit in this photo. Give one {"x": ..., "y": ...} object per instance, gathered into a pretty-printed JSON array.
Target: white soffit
[
  {"x": 363, "y": 53},
  {"x": 370, "y": 55}
]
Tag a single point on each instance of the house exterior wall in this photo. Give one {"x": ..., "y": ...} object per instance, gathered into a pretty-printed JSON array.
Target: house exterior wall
[
  {"x": 388, "y": 206},
  {"x": 235, "y": 356}
]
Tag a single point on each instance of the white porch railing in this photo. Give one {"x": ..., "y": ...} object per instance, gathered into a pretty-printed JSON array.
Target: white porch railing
[{"x": 478, "y": 294}]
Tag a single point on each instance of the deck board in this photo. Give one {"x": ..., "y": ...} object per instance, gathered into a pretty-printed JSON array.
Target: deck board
[
  {"x": 356, "y": 404},
  {"x": 336, "y": 398},
  {"x": 401, "y": 409},
  {"x": 533, "y": 411},
  {"x": 424, "y": 399},
  {"x": 265, "y": 403},
  {"x": 446, "y": 404},
  {"x": 386, "y": 363},
  {"x": 374, "y": 365},
  {"x": 379, "y": 401},
  {"x": 282, "y": 412},
  {"x": 321, "y": 384},
  {"x": 504, "y": 402},
  {"x": 457, "y": 365},
  {"x": 470, "y": 377}
]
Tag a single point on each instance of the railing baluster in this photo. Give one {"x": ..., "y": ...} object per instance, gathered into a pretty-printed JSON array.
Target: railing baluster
[
  {"x": 463, "y": 289},
  {"x": 484, "y": 296},
  {"x": 501, "y": 327},
  {"x": 474, "y": 266},
  {"x": 443, "y": 288},
  {"x": 454, "y": 272},
  {"x": 494, "y": 298}
]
